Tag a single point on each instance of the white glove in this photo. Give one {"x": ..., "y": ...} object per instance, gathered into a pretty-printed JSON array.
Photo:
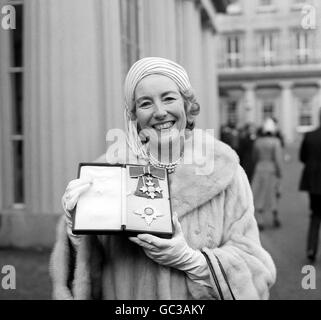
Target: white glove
[
  {"x": 175, "y": 253},
  {"x": 69, "y": 200}
]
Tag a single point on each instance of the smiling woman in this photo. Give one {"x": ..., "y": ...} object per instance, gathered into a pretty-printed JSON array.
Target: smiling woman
[
  {"x": 171, "y": 101},
  {"x": 215, "y": 252}
]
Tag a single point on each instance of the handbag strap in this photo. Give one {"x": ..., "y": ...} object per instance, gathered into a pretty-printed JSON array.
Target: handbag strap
[
  {"x": 215, "y": 277},
  {"x": 225, "y": 277}
]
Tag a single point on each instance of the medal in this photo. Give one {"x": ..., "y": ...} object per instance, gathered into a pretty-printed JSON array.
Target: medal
[
  {"x": 148, "y": 213},
  {"x": 149, "y": 188},
  {"x": 148, "y": 181}
]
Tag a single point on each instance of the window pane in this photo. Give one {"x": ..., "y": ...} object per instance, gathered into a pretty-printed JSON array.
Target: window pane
[
  {"x": 305, "y": 113},
  {"x": 268, "y": 48},
  {"x": 268, "y": 110},
  {"x": 17, "y": 106},
  {"x": 18, "y": 172},
  {"x": 266, "y": 2},
  {"x": 236, "y": 40},
  {"x": 233, "y": 51},
  {"x": 298, "y": 40},
  {"x": 232, "y": 112},
  {"x": 17, "y": 39},
  {"x": 305, "y": 40},
  {"x": 303, "y": 46}
]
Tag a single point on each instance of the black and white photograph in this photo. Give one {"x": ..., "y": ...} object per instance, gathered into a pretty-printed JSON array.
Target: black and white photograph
[{"x": 159, "y": 151}]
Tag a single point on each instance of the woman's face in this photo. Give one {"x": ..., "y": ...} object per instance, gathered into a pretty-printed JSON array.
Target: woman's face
[{"x": 160, "y": 106}]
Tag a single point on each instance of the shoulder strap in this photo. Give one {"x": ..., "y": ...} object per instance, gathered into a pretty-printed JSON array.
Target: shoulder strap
[
  {"x": 215, "y": 277},
  {"x": 225, "y": 277}
]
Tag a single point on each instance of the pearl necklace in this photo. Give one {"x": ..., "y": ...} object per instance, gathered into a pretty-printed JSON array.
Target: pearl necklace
[{"x": 169, "y": 166}]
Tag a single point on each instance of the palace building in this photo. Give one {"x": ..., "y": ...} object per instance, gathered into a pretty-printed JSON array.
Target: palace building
[{"x": 270, "y": 64}]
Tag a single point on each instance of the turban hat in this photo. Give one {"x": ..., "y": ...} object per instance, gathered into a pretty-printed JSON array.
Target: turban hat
[{"x": 149, "y": 66}]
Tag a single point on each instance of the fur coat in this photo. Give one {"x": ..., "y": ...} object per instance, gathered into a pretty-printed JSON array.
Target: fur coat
[{"x": 216, "y": 212}]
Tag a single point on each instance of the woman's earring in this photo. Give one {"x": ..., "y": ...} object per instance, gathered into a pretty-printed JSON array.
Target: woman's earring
[{"x": 190, "y": 125}]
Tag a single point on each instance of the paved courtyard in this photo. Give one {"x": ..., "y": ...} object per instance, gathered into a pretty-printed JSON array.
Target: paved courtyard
[{"x": 287, "y": 245}]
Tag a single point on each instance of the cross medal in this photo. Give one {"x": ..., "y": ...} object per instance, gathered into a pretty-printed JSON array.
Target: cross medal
[
  {"x": 148, "y": 187},
  {"x": 148, "y": 181}
]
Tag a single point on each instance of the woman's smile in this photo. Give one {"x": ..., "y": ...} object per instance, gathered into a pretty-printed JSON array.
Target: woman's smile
[{"x": 164, "y": 125}]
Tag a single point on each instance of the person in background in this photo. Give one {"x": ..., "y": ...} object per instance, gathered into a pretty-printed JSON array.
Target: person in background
[
  {"x": 278, "y": 132},
  {"x": 267, "y": 156},
  {"x": 247, "y": 139},
  {"x": 230, "y": 134},
  {"x": 310, "y": 156}
]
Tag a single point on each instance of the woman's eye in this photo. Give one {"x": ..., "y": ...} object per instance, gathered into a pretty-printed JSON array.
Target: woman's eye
[
  {"x": 169, "y": 99},
  {"x": 145, "y": 104}
]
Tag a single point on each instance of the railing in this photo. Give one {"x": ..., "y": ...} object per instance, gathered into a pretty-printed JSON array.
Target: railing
[{"x": 275, "y": 63}]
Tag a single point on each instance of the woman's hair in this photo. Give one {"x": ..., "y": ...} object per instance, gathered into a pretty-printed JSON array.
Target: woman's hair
[{"x": 192, "y": 108}]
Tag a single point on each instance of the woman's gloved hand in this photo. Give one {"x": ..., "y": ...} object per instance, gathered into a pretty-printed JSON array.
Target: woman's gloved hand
[
  {"x": 69, "y": 200},
  {"x": 175, "y": 253}
]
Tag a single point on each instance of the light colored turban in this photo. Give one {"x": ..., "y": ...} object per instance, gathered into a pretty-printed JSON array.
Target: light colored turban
[{"x": 153, "y": 65}]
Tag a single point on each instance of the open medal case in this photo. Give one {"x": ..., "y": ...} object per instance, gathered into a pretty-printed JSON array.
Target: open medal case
[{"x": 124, "y": 198}]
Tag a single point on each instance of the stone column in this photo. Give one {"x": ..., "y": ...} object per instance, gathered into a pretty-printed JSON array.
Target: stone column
[
  {"x": 159, "y": 29},
  {"x": 287, "y": 122},
  {"x": 210, "y": 107},
  {"x": 64, "y": 96},
  {"x": 249, "y": 102},
  {"x": 192, "y": 52}
]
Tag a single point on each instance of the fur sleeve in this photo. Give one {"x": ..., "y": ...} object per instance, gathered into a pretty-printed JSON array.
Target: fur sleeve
[
  {"x": 249, "y": 268},
  {"x": 60, "y": 263}
]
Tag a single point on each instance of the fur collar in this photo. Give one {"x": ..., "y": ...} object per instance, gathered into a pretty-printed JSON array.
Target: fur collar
[
  {"x": 192, "y": 185},
  {"x": 208, "y": 168}
]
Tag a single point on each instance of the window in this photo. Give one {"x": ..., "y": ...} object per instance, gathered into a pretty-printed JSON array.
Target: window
[
  {"x": 234, "y": 8},
  {"x": 232, "y": 112},
  {"x": 266, "y": 2},
  {"x": 129, "y": 16},
  {"x": 12, "y": 112},
  {"x": 268, "y": 110},
  {"x": 266, "y": 6},
  {"x": 299, "y": 1},
  {"x": 297, "y": 5},
  {"x": 267, "y": 48},
  {"x": 305, "y": 113},
  {"x": 14, "y": 100},
  {"x": 233, "y": 51},
  {"x": 302, "y": 46}
]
